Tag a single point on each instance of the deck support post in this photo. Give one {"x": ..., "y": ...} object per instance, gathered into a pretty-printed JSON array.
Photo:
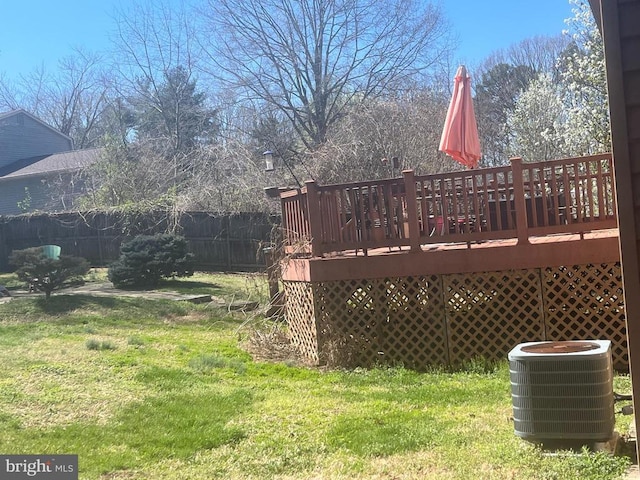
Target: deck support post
[
  {"x": 412, "y": 209},
  {"x": 520, "y": 204},
  {"x": 315, "y": 222}
]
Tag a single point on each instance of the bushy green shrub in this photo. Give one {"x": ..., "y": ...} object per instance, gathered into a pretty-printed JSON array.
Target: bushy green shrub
[
  {"x": 46, "y": 274},
  {"x": 148, "y": 258}
]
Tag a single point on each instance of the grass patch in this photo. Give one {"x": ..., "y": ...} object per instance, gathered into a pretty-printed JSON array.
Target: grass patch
[
  {"x": 180, "y": 399},
  {"x": 10, "y": 281},
  {"x": 238, "y": 286},
  {"x": 166, "y": 427},
  {"x": 384, "y": 431}
]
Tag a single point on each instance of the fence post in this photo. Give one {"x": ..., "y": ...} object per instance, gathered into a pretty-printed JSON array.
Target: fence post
[
  {"x": 315, "y": 220},
  {"x": 412, "y": 209},
  {"x": 519, "y": 201},
  {"x": 4, "y": 254}
]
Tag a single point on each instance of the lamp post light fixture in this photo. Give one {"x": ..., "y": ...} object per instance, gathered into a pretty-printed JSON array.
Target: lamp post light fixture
[
  {"x": 393, "y": 165},
  {"x": 268, "y": 160},
  {"x": 270, "y": 167}
]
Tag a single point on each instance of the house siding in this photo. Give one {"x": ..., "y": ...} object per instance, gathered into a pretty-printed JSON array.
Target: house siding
[
  {"x": 14, "y": 193},
  {"x": 43, "y": 193},
  {"x": 621, "y": 34},
  {"x": 23, "y": 137}
]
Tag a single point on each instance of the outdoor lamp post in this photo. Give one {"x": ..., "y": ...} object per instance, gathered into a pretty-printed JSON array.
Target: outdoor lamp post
[
  {"x": 272, "y": 192},
  {"x": 394, "y": 164},
  {"x": 269, "y": 165},
  {"x": 268, "y": 160}
]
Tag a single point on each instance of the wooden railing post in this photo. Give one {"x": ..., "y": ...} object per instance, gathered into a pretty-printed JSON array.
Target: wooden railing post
[
  {"x": 412, "y": 209},
  {"x": 315, "y": 222},
  {"x": 520, "y": 204}
]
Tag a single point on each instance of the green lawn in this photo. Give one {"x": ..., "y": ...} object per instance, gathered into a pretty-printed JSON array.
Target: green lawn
[{"x": 143, "y": 389}]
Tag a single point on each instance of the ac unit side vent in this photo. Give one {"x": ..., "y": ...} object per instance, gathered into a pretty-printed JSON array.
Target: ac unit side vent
[
  {"x": 535, "y": 365},
  {"x": 562, "y": 390},
  {"x": 578, "y": 402},
  {"x": 565, "y": 414},
  {"x": 595, "y": 377},
  {"x": 542, "y": 431},
  {"x": 559, "y": 391}
]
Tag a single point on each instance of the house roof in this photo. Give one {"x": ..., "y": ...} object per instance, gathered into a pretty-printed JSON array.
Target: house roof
[
  {"x": 36, "y": 119},
  {"x": 48, "y": 164}
]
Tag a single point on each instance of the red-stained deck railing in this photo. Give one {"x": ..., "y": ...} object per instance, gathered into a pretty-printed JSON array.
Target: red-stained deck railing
[{"x": 571, "y": 195}]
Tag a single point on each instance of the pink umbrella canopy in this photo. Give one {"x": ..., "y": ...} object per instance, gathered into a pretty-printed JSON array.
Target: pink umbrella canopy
[{"x": 460, "y": 133}]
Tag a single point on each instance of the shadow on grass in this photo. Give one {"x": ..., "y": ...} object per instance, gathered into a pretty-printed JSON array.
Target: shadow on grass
[
  {"x": 74, "y": 308},
  {"x": 28, "y": 308},
  {"x": 170, "y": 426},
  {"x": 60, "y": 304},
  {"x": 188, "y": 286}
]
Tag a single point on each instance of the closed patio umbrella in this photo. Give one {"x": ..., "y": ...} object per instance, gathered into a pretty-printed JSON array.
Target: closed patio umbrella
[{"x": 460, "y": 133}]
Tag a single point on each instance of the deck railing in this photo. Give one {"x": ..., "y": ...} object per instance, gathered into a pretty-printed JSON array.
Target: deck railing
[{"x": 573, "y": 195}]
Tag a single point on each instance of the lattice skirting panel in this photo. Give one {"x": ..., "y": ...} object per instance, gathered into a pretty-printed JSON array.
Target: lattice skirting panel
[
  {"x": 447, "y": 319},
  {"x": 490, "y": 313},
  {"x": 586, "y": 301},
  {"x": 391, "y": 320},
  {"x": 299, "y": 311}
]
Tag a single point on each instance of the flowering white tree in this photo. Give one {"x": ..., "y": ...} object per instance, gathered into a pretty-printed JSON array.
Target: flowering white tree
[
  {"x": 569, "y": 117},
  {"x": 538, "y": 122},
  {"x": 584, "y": 76}
]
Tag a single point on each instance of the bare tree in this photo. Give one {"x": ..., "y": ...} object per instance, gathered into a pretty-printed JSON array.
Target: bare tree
[
  {"x": 155, "y": 56},
  {"x": 407, "y": 127},
  {"x": 72, "y": 99},
  {"x": 7, "y": 93},
  {"x": 497, "y": 92},
  {"x": 231, "y": 178},
  {"x": 539, "y": 54},
  {"x": 145, "y": 175},
  {"x": 311, "y": 59}
]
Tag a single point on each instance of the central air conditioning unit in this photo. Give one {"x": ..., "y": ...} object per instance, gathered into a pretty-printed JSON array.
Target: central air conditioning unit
[{"x": 563, "y": 390}]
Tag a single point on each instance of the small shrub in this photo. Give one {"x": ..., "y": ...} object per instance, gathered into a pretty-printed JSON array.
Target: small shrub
[
  {"x": 47, "y": 274},
  {"x": 135, "y": 341},
  {"x": 107, "y": 345},
  {"x": 147, "y": 259},
  {"x": 93, "y": 344},
  {"x": 207, "y": 363}
]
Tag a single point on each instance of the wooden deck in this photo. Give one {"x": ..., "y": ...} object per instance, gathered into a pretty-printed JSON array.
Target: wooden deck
[
  {"x": 520, "y": 201},
  {"x": 600, "y": 246},
  {"x": 442, "y": 269}
]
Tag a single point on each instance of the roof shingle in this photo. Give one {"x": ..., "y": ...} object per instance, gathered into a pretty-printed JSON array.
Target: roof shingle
[{"x": 46, "y": 164}]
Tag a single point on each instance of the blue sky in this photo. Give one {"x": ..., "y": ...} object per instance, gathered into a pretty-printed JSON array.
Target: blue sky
[
  {"x": 484, "y": 26},
  {"x": 39, "y": 32}
]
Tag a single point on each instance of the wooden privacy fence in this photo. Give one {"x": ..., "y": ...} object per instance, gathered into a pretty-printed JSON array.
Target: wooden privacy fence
[
  {"x": 447, "y": 319},
  {"x": 219, "y": 243},
  {"x": 571, "y": 195}
]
